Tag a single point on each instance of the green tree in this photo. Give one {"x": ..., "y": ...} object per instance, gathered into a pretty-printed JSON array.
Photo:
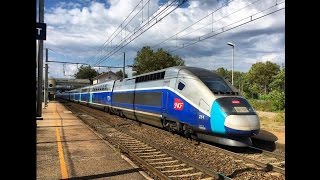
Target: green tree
[
  {"x": 238, "y": 77},
  {"x": 262, "y": 74},
  {"x": 147, "y": 60},
  {"x": 277, "y": 100},
  {"x": 120, "y": 74},
  {"x": 224, "y": 73},
  {"x": 86, "y": 72},
  {"x": 278, "y": 82}
]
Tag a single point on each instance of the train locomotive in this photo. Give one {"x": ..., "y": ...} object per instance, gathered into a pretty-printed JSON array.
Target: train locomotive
[{"x": 192, "y": 101}]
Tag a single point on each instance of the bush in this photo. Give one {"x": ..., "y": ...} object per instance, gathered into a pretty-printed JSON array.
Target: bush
[
  {"x": 277, "y": 99},
  {"x": 274, "y": 101},
  {"x": 264, "y": 97},
  {"x": 261, "y": 105}
]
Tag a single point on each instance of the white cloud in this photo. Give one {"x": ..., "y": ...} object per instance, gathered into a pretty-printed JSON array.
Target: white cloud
[{"x": 78, "y": 31}]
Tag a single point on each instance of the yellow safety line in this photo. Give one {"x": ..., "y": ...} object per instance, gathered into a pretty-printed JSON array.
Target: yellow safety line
[{"x": 64, "y": 172}]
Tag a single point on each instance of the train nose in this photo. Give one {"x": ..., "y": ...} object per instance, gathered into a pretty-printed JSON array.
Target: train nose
[{"x": 244, "y": 125}]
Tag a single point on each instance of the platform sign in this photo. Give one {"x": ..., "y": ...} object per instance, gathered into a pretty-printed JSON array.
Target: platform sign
[{"x": 41, "y": 29}]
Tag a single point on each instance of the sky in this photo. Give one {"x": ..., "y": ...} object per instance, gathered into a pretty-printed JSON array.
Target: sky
[{"x": 79, "y": 31}]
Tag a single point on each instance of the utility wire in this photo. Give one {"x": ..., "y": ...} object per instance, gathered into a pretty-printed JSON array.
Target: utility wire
[
  {"x": 122, "y": 23},
  {"x": 123, "y": 27},
  {"x": 228, "y": 2},
  {"x": 131, "y": 38},
  {"x": 102, "y": 46},
  {"x": 211, "y": 24},
  {"x": 225, "y": 30},
  {"x": 134, "y": 32},
  {"x": 65, "y": 62}
]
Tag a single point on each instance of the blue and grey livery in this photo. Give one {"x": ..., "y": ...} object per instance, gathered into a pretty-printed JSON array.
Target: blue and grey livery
[{"x": 189, "y": 100}]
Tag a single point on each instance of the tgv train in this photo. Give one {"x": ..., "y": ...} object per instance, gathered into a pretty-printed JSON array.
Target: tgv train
[{"x": 189, "y": 100}]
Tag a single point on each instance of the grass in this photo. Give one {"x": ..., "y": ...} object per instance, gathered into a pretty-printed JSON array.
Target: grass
[
  {"x": 273, "y": 123},
  {"x": 263, "y": 105}
]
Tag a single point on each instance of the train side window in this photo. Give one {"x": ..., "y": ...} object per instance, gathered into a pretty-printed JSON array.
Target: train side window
[
  {"x": 162, "y": 74},
  {"x": 181, "y": 86}
]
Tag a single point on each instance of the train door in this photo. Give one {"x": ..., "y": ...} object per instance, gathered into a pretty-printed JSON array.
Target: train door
[
  {"x": 164, "y": 104},
  {"x": 165, "y": 100},
  {"x": 203, "y": 121},
  {"x": 90, "y": 95}
]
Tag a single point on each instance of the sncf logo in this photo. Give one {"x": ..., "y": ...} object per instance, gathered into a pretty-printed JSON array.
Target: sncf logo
[{"x": 178, "y": 104}]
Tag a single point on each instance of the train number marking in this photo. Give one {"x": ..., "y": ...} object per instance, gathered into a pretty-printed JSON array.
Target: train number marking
[
  {"x": 178, "y": 104},
  {"x": 201, "y": 116}
]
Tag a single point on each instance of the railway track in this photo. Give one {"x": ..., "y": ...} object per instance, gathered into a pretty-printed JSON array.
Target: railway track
[
  {"x": 266, "y": 160},
  {"x": 160, "y": 161},
  {"x": 268, "y": 153},
  {"x": 173, "y": 163}
]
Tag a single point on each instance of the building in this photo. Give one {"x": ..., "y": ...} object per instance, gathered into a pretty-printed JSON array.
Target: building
[{"x": 107, "y": 76}]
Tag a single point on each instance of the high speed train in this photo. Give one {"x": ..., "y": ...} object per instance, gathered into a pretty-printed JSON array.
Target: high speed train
[{"x": 192, "y": 101}]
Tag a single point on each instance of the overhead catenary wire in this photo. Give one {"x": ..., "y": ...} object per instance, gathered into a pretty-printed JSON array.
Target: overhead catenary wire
[
  {"x": 157, "y": 17},
  {"x": 102, "y": 46},
  {"x": 222, "y": 5},
  {"x": 131, "y": 34},
  {"x": 141, "y": 29},
  {"x": 174, "y": 37},
  {"x": 238, "y": 10},
  {"x": 78, "y": 63},
  {"x": 123, "y": 27},
  {"x": 224, "y": 29},
  {"x": 65, "y": 62},
  {"x": 123, "y": 22}
]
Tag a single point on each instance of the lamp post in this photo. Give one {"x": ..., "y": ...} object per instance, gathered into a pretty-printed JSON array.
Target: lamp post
[{"x": 232, "y": 45}]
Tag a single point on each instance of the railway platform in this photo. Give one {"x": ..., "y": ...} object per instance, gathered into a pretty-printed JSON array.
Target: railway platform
[{"x": 68, "y": 149}]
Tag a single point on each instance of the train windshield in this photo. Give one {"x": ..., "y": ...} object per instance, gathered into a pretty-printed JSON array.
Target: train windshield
[{"x": 213, "y": 81}]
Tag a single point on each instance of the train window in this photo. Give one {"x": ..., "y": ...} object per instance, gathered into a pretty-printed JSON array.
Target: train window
[
  {"x": 150, "y": 77},
  {"x": 123, "y": 97},
  {"x": 217, "y": 85},
  {"x": 181, "y": 86},
  {"x": 212, "y": 80},
  {"x": 148, "y": 98},
  {"x": 162, "y": 74}
]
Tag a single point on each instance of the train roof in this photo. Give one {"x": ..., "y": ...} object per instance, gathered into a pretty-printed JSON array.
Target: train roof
[
  {"x": 169, "y": 72},
  {"x": 174, "y": 71},
  {"x": 197, "y": 71}
]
